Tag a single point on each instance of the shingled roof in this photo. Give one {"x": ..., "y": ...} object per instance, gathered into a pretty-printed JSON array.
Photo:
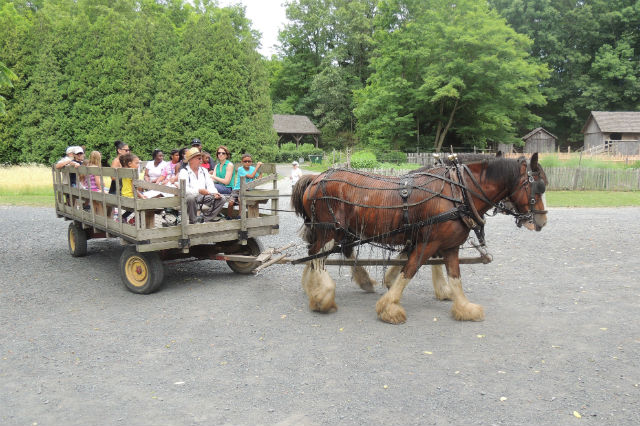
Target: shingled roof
[
  {"x": 615, "y": 122},
  {"x": 294, "y": 124},
  {"x": 536, "y": 130}
]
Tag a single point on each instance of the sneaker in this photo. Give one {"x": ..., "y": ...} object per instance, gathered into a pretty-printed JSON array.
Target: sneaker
[
  {"x": 131, "y": 220},
  {"x": 200, "y": 219}
]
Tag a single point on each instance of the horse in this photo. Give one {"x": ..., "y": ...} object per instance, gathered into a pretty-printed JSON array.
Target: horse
[{"x": 427, "y": 213}]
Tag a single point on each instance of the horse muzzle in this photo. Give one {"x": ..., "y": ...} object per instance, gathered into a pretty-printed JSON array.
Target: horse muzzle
[{"x": 535, "y": 222}]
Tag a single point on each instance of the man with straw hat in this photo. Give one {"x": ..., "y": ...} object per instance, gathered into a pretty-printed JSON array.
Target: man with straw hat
[{"x": 200, "y": 189}]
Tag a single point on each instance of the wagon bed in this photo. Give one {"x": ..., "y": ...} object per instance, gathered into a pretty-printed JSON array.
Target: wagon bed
[{"x": 148, "y": 241}]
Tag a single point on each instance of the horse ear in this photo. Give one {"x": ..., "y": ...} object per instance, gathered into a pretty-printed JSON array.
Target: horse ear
[
  {"x": 534, "y": 161},
  {"x": 523, "y": 165}
]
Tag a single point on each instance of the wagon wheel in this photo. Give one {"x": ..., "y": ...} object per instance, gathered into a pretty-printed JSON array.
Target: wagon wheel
[
  {"x": 141, "y": 273},
  {"x": 77, "y": 240},
  {"x": 253, "y": 248}
]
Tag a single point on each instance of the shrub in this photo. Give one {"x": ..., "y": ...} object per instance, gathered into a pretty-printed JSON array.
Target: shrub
[
  {"x": 364, "y": 160},
  {"x": 395, "y": 157}
]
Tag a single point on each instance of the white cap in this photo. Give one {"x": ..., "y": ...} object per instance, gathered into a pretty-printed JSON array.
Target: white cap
[
  {"x": 70, "y": 149},
  {"x": 78, "y": 150},
  {"x": 295, "y": 163}
]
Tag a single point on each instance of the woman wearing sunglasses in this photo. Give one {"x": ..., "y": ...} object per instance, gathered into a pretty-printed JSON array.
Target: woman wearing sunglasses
[{"x": 222, "y": 173}]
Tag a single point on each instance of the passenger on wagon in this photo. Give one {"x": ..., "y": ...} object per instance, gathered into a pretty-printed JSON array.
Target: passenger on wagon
[
  {"x": 153, "y": 169},
  {"x": 169, "y": 175},
  {"x": 129, "y": 161},
  {"x": 249, "y": 172},
  {"x": 200, "y": 189},
  {"x": 222, "y": 174}
]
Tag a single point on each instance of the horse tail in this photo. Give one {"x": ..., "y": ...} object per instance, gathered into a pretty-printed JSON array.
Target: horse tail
[{"x": 297, "y": 193}]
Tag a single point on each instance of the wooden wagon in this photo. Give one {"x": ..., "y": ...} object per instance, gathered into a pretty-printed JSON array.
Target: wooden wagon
[{"x": 152, "y": 239}]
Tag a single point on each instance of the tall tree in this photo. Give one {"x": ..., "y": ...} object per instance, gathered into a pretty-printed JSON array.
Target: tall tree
[
  {"x": 593, "y": 50},
  {"x": 442, "y": 66}
]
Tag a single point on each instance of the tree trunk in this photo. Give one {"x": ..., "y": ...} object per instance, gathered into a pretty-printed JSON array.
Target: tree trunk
[{"x": 446, "y": 128}]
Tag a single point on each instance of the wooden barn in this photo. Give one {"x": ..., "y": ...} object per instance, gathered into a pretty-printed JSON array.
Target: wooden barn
[
  {"x": 294, "y": 127},
  {"x": 612, "y": 132},
  {"x": 537, "y": 140}
]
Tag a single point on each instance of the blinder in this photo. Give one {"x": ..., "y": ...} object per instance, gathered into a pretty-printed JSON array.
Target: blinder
[{"x": 536, "y": 187}]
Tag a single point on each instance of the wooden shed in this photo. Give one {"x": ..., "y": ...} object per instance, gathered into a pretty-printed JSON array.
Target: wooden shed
[
  {"x": 539, "y": 140},
  {"x": 295, "y": 127},
  {"x": 612, "y": 132}
]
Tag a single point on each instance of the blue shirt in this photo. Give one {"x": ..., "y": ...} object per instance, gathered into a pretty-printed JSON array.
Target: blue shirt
[{"x": 243, "y": 172}]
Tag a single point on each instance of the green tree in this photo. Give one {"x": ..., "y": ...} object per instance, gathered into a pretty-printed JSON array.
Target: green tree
[
  {"x": 325, "y": 52},
  {"x": 441, "y": 67},
  {"x": 592, "y": 49}
]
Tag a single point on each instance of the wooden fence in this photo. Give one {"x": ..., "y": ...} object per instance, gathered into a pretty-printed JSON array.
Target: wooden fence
[{"x": 566, "y": 178}]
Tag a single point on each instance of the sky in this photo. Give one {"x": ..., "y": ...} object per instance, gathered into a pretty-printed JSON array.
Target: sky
[{"x": 267, "y": 16}]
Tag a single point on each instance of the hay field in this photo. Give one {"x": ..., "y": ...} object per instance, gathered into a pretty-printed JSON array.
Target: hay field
[{"x": 29, "y": 179}]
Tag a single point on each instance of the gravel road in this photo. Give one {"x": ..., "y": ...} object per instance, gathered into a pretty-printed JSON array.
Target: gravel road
[{"x": 561, "y": 339}]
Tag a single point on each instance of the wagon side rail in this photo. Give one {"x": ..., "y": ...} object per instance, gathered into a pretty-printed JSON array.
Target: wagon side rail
[
  {"x": 144, "y": 234},
  {"x": 252, "y": 196}
]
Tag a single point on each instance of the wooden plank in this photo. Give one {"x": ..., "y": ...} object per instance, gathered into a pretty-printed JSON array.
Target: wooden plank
[
  {"x": 154, "y": 186},
  {"x": 400, "y": 262},
  {"x": 157, "y": 203}
]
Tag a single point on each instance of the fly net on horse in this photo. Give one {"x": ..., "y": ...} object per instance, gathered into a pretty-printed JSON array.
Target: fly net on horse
[{"x": 358, "y": 207}]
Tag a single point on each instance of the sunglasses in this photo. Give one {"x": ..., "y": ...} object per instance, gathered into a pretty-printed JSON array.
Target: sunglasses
[{"x": 222, "y": 152}]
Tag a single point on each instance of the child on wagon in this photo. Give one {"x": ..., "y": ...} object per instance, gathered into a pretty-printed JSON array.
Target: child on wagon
[
  {"x": 129, "y": 161},
  {"x": 249, "y": 172}
]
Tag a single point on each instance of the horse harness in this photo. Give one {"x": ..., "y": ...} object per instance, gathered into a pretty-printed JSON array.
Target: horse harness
[{"x": 464, "y": 209}]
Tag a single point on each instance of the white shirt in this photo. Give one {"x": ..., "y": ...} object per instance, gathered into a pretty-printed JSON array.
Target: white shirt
[
  {"x": 155, "y": 171},
  {"x": 296, "y": 174},
  {"x": 193, "y": 182}
]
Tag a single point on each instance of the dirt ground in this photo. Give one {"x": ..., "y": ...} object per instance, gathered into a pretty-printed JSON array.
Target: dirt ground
[{"x": 560, "y": 343}]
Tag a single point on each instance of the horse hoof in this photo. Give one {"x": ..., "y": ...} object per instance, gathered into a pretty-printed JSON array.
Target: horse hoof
[
  {"x": 467, "y": 312},
  {"x": 323, "y": 306},
  {"x": 392, "y": 313},
  {"x": 368, "y": 286}
]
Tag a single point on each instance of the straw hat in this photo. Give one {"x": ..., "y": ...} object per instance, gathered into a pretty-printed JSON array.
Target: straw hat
[{"x": 191, "y": 152}]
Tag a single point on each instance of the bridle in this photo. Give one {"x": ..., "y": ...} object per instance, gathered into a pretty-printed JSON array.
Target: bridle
[{"x": 536, "y": 186}]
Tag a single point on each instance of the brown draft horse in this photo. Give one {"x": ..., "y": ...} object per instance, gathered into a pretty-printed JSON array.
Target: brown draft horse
[{"x": 428, "y": 212}]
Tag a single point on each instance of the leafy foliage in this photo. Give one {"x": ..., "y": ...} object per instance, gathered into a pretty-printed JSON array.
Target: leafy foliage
[
  {"x": 364, "y": 160},
  {"x": 153, "y": 74},
  {"x": 592, "y": 50}
]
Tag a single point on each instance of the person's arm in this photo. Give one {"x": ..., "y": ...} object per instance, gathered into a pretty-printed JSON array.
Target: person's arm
[
  {"x": 146, "y": 174},
  {"x": 209, "y": 187},
  {"x": 227, "y": 175},
  {"x": 61, "y": 163},
  {"x": 255, "y": 171}
]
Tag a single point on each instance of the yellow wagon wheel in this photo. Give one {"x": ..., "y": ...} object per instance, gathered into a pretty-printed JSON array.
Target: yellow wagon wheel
[
  {"x": 77, "y": 240},
  {"x": 141, "y": 273}
]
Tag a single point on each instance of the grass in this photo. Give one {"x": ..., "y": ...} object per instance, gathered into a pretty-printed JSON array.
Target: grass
[
  {"x": 574, "y": 161},
  {"x": 26, "y": 185},
  {"x": 593, "y": 199}
]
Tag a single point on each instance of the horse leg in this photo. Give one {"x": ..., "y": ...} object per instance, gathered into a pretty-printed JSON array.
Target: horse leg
[
  {"x": 360, "y": 275},
  {"x": 319, "y": 286},
  {"x": 388, "y": 306},
  {"x": 392, "y": 273},
  {"x": 440, "y": 284},
  {"x": 462, "y": 309}
]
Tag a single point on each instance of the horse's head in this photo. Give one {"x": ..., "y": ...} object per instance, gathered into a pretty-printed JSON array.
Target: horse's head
[{"x": 528, "y": 196}]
